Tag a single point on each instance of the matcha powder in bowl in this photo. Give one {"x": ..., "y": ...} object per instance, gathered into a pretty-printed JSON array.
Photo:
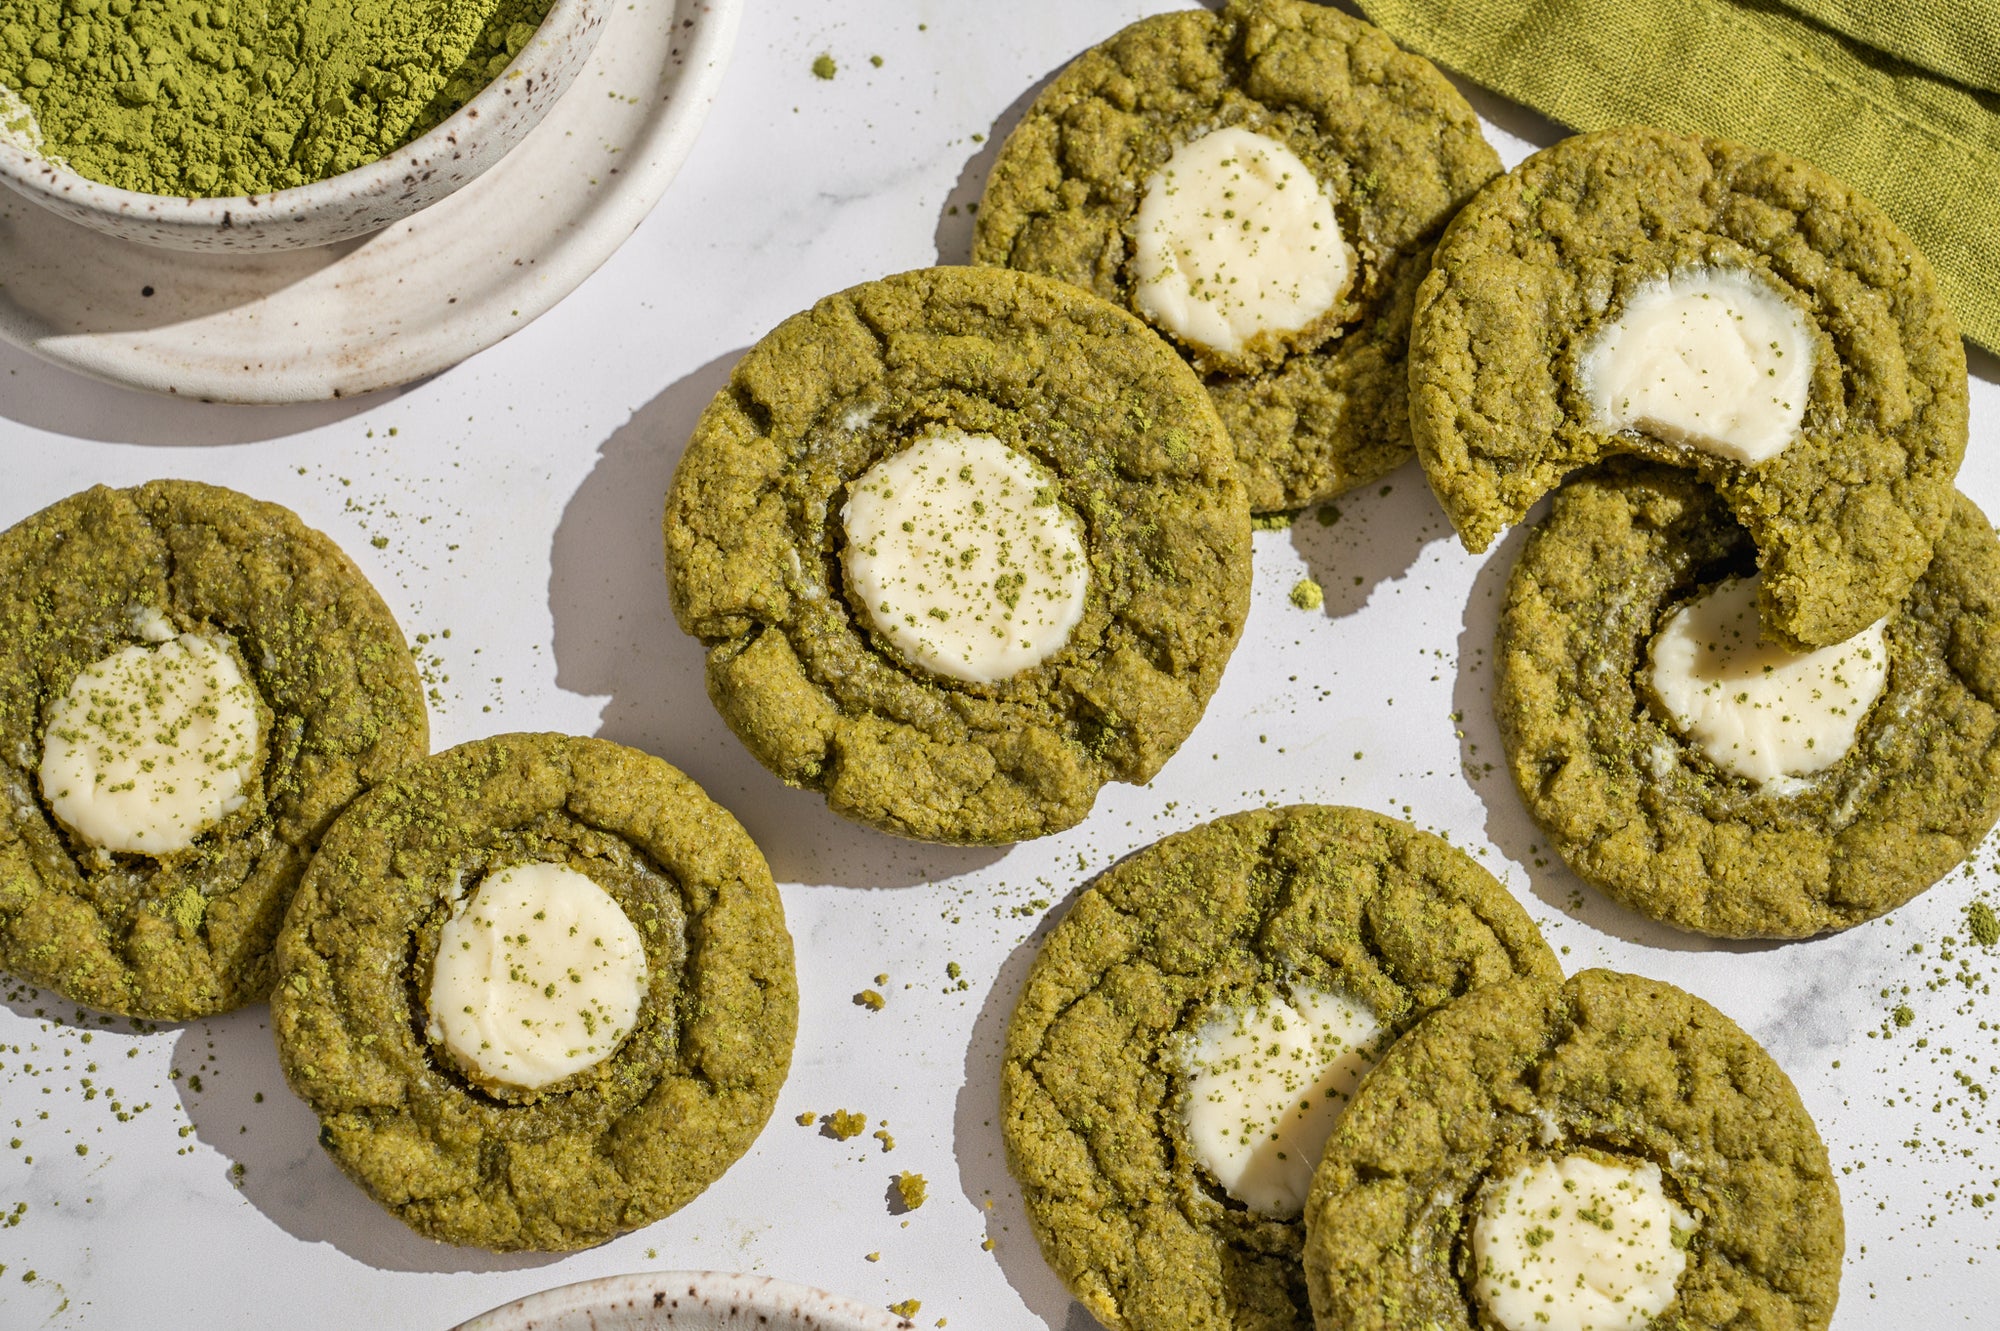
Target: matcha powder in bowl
[{"x": 278, "y": 124}]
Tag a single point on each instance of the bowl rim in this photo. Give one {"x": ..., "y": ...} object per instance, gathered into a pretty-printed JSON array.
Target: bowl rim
[
  {"x": 45, "y": 179},
  {"x": 746, "y": 1292}
]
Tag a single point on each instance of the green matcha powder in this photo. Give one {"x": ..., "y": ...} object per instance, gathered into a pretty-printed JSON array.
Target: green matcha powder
[{"x": 247, "y": 96}]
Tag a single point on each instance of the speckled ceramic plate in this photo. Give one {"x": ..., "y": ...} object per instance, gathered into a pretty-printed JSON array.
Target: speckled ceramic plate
[
  {"x": 685, "y": 1301},
  {"x": 410, "y": 300}
]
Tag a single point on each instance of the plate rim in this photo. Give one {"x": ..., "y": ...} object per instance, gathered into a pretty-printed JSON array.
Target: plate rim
[{"x": 752, "y": 1293}]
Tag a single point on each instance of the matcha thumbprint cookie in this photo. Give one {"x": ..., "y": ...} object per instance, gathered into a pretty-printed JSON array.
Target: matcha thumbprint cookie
[
  {"x": 962, "y": 545},
  {"x": 1610, "y": 1154},
  {"x": 192, "y": 685},
  {"x": 1708, "y": 777},
  {"x": 1194, "y": 1026},
  {"x": 538, "y": 990},
  {"x": 1735, "y": 312},
  {"x": 1263, "y": 185}
]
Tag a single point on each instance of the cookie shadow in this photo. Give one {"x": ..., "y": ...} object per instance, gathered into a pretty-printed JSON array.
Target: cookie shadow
[
  {"x": 1483, "y": 763},
  {"x": 1981, "y": 363},
  {"x": 225, "y": 1070},
  {"x": 981, "y": 1156},
  {"x": 953, "y": 236},
  {"x": 1369, "y": 536},
  {"x": 615, "y": 637}
]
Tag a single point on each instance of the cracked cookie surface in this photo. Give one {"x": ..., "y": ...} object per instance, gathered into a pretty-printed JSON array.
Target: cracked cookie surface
[
  {"x": 1342, "y": 899},
  {"x": 603, "y": 1150},
  {"x": 1607, "y": 1064},
  {"x": 189, "y": 933},
  {"x": 1541, "y": 259},
  {"x": 753, "y": 535},
  {"x": 1382, "y": 130},
  {"x": 1641, "y": 813}
]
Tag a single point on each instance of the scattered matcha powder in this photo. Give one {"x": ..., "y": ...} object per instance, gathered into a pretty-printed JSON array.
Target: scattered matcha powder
[{"x": 1308, "y": 594}]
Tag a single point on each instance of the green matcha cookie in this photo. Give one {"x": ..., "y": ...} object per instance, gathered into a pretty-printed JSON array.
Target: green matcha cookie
[
  {"x": 1089, "y": 429},
  {"x": 647, "y": 1111},
  {"x": 1639, "y": 807},
  {"x": 192, "y": 686},
  {"x": 1838, "y": 413},
  {"x": 1610, "y": 1075},
  {"x": 1193, "y": 1023},
  {"x": 1316, "y": 400}
]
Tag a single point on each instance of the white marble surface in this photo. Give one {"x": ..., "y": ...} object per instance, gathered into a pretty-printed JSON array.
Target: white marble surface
[{"x": 518, "y": 496}]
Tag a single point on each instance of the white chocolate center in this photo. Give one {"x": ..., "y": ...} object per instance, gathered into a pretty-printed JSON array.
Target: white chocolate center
[
  {"x": 539, "y": 974},
  {"x": 964, "y": 557},
  {"x": 1264, "y": 1087},
  {"x": 152, "y": 745},
  {"x": 1713, "y": 358},
  {"x": 1236, "y": 237},
  {"x": 1577, "y": 1245},
  {"x": 1753, "y": 707}
]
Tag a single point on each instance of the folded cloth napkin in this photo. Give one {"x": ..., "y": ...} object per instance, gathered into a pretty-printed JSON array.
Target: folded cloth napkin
[{"x": 1900, "y": 98}]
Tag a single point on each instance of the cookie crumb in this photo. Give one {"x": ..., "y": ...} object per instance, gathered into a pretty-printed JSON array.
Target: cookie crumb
[
  {"x": 823, "y": 66},
  {"x": 907, "y": 1308},
  {"x": 842, "y": 1124},
  {"x": 871, "y": 1000},
  {"x": 807, "y": 1118},
  {"x": 1307, "y": 594},
  {"x": 912, "y": 1189}
]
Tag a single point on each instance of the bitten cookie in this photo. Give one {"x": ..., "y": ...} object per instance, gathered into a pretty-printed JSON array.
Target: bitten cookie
[
  {"x": 1736, "y": 312},
  {"x": 1718, "y": 782}
]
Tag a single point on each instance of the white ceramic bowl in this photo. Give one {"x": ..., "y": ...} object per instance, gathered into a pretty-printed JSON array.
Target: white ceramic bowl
[
  {"x": 355, "y": 202},
  {"x": 686, "y": 1301}
]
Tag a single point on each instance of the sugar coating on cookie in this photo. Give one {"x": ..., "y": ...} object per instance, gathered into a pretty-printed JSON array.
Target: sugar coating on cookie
[
  {"x": 1578, "y": 1244},
  {"x": 964, "y": 558},
  {"x": 1753, "y": 707},
  {"x": 1236, "y": 239},
  {"x": 539, "y": 974},
  {"x": 1265, "y": 1082},
  {"x": 153, "y": 744},
  {"x": 1713, "y": 358}
]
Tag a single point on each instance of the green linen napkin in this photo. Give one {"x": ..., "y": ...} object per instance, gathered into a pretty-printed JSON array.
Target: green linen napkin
[{"x": 1901, "y": 98}]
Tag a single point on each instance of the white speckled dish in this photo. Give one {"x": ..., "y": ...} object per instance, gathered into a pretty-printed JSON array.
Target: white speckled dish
[
  {"x": 408, "y": 301},
  {"x": 685, "y": 1301},
  {"x": 355, "y": 202}
]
